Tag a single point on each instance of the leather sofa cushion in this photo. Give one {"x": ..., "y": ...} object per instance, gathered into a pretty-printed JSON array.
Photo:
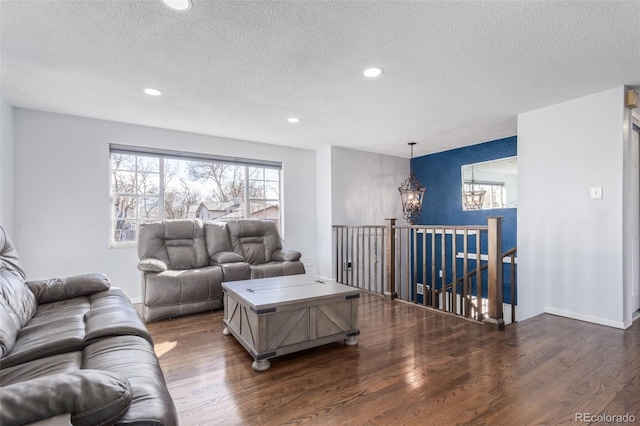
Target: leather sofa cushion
[
  {"x": 103, "y": 322},
  {"x": 176, "y": 287},
  {"x": 9, "y": 259},
  {"x": 91, "y": 397},
  {"x": 179, "y": 244},
  {"x": 61, "y": 333},
  {"x": 19, "y": 300},
  {"x": 62, "y": 363},
  {"x": 8, "y": 329},
  {"x": 66, "y": 288},
  {"x": 67, "y": 325},
  {"x": 17, "y": 304},
  {"x": 134, "y": 358}
]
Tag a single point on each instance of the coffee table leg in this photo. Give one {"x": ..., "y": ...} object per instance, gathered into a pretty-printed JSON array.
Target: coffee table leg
[
  {"x": 351, "y": 340},
  {"x": 226, "y": 331},
  {"x": 261, "y": 365}
]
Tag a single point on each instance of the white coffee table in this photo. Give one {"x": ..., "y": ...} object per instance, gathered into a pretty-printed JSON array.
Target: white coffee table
[{"x": 276, "y": 316}]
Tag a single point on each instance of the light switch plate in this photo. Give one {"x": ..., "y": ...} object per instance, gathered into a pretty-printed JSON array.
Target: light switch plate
[{"x": 595, "y": 193}]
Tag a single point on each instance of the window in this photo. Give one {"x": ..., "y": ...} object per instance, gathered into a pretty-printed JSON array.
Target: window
[{"x": 151, "y": 185}]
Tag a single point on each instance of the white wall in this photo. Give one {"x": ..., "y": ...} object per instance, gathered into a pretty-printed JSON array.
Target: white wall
[
  {"x": 354, "y": 188},
  {"x": 324, "y": 234},
  {"x": 364, "y": 187},
  {"x": 62, "y": 192},
  {"x": 570, "y": 247},
  {"x": 6, "y": 167}
]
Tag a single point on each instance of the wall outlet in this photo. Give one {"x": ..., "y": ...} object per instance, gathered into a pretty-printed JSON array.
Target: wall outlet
[{"x": 347, "y": 265}]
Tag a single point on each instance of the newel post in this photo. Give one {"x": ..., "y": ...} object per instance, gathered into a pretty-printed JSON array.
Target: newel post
[
  {"x": 496, "y": 317},
  {"x": 390, "y": 259}
]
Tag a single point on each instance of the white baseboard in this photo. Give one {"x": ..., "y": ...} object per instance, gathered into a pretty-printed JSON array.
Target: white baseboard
[
  {"x": 136, "y": 300},
  {"x": 587, "y": 318}
]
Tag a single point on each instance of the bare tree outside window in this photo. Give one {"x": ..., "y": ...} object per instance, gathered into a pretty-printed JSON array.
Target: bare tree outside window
[{"x": 135, "y": 188}]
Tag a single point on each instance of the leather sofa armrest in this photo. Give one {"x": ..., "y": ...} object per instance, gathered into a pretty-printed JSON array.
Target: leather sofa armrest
[
  {"x": 226, "y": 257},
  {"x": 285, "y": 255},
  {"x": 152, "y": 265},
  {"x": 91, "y": 397},
  {"x": 55, "y": 289}
]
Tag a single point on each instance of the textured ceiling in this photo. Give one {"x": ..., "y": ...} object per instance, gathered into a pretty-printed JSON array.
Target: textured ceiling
[{"x": 455, "y": 73}]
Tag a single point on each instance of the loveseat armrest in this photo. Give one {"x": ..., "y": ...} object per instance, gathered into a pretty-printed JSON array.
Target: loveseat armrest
[
  {"x": 56, "y": 289},
  {"x": 150, "y": 264},
  {"x": 285, "y": 255},
  {"x": 91, "y": 397},
  {"x": 223, "y": 257}
]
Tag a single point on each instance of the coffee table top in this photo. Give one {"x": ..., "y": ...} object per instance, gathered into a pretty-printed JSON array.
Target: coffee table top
[{"x": 266, "y": 293}]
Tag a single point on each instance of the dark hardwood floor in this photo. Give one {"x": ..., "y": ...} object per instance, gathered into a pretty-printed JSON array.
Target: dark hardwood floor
[{"x": 412, "y": 366}]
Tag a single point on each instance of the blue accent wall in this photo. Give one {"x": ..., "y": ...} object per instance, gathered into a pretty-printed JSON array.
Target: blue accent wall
[{"x": 441, "y": 174}]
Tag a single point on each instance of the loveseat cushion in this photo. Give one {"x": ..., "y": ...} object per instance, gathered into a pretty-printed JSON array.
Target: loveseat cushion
[
  {"x": 276, "y": 269},
  {"x": 91, "y": 397},
  {"x": 255, "y": 240},
  {"x": 217, "y": 238},
  {"x": 286, "y": 255},
  {"x": 152, "y": 265},
  {"x": 226, "y": 257},
  {"x": 177, "y": 287},
  {"x": 179, "y": 244}
]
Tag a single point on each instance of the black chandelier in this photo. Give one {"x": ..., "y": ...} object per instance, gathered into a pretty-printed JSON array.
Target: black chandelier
[{"x": 412, "y": 194}]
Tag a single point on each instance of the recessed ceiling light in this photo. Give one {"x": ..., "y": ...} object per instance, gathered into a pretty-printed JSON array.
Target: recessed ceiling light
[
  {"x": 181, "y": 5},
  {"x": 152, "y": 92},
  {"x": 372, "y": 72},
  {"x": 293, "y": 120}
]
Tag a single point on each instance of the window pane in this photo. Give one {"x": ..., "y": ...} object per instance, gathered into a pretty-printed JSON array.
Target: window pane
[
  {"x": 148, "y": 164},
  {"x": 256, "y": 189},
  {"x": 272, "y": 190},
  {"x": 272, "y": 174},
  {"x": 148, "y": 183},
  {"x": 123, "y": 162},
  {"x": 123, "y": 182},
  {"x": 256, "y": 173},
  {"x": 258, "y": 210},
  {"x": 148, "y": 208},
  {"x": 124, "y": 231},
  {"x": 124, "y": 207}
]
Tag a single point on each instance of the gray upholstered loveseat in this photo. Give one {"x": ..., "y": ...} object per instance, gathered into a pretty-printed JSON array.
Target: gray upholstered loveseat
[
  {"x": 74, "y": 349},
  {"x": 184, "y": 262}
]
